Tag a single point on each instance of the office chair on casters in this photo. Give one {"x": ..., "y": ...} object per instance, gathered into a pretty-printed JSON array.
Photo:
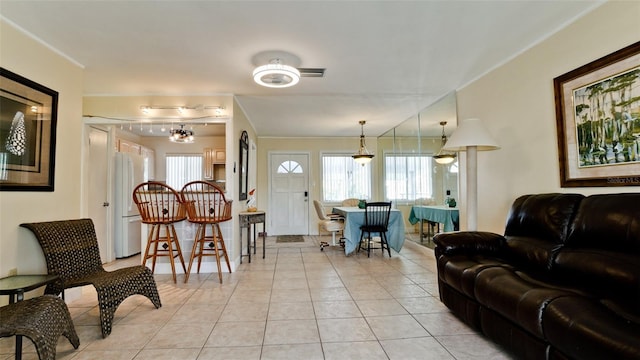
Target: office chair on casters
[
  {"x": 331, "y": 223},
  {"x": 376, "y": 220}
]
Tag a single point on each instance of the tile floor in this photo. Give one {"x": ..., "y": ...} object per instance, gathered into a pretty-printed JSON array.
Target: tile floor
[{"x": 298, "y": 303}]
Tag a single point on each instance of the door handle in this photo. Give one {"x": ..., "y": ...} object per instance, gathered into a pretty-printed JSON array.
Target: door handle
[
  {"x": 306, "y": 194},
  {"x": 105, "y": 204}
]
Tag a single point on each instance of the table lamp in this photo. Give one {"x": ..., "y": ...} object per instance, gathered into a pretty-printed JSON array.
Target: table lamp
[{"x": 471, "y": 136}]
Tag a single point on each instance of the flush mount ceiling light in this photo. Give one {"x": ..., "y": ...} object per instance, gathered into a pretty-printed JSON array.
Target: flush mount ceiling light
[
  {"x": 362, "y": 156},
  {"x": 276, "y": 75},
  {"x": 181, "y": 135},
  {"x": 444, "y": 157}
]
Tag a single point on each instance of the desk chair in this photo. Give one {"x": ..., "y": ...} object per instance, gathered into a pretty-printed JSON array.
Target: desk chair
[
  {"x": 161, "y": 207},
  {"x": 206, "y": 205},
  {"x": 329, "y": 222},
  {"x": 376, "y": 220}
]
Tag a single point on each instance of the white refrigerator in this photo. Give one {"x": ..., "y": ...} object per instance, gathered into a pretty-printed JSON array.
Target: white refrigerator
[{"x": 129, "y": 172}]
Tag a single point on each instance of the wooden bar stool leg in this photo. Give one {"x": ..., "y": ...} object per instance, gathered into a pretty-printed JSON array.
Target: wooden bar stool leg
[
  {"x": 223, "y": 247},
  {"x": 178, "y": 249},
  {"x": 202, "y": 239},
  {"x": 169, "y": 240},
  {"x": 216, "y": 251},
  {"x": 155, "y": 248},
  {"x": 194, "y": 249},
  {"x": 148, "y": 247}
]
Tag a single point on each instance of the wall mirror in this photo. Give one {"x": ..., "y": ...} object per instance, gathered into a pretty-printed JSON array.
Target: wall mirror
[{"x": 244, "y": 164}]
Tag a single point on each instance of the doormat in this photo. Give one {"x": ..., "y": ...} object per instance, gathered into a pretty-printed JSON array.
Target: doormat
[{"x": 289, "y": 238}]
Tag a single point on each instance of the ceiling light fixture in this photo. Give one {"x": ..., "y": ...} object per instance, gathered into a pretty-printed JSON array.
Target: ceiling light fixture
[
  {"x": 443, "y": 157},
  {"x": 276, "y": 75},
  {"x": 362, "y": 156},
  {"x": 181, "y": 135}
]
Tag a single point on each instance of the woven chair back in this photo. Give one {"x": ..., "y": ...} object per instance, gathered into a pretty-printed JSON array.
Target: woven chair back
[
  {"x": 205, "y": 203},
  {"x": 159, "y": 203},
  {"x": 376, "y": 216},
  {"x": 70, "y": 247}
]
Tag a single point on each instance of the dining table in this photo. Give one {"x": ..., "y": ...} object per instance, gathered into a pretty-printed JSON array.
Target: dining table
[
  {"x": 354, "y": 218},
  {"x": 448, "y": 216}
]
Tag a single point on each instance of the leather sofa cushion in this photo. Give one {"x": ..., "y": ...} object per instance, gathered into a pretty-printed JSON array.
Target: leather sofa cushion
[
  {"x": 608, "y": 222},
  {"x": 542, "y": 216},
  {"x": 460, "y": 271},
  {"x": 531, "y": 253},
  {"x": 515, "y": 296},
  {"x": 584, "y": 329},
  {"x": 605, "y": 274}
]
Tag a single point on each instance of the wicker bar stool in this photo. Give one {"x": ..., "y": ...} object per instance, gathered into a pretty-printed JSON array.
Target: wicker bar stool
[
  {"x": 161, "y": 207},
  {"x": 206, "y": 205}
]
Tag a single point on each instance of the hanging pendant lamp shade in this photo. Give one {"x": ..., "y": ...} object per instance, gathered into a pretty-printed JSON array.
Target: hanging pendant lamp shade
[
  {"x": 443, "y": 157},
  {"x": 181, "y": 135},
  {"x": 362, "y": 156}
]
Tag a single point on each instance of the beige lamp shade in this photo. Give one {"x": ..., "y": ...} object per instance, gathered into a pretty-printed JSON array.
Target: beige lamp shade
[{"x": 471, "y": 132}]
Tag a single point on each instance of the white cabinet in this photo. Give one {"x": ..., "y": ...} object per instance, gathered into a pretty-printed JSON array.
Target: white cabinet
[{"x": 214, "y": 160}]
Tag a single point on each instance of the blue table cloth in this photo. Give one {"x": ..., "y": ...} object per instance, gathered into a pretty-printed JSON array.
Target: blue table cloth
[
  {"x": 450, "y": 217},
  {"x": 354, "y": 218}
]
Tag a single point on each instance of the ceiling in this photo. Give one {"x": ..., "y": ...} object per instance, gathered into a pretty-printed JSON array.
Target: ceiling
[{"x": 384, "y": 60}]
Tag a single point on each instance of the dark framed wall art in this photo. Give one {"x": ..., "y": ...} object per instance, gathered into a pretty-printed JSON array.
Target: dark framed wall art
[
  {"x": 28, "y": 117},
  {"x": 598, "y": 121}
]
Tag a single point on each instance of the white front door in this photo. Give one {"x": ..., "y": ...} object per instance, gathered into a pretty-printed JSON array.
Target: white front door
[
  {"x": 289, "y": 194},
  {"x": 98, "y": 190}
]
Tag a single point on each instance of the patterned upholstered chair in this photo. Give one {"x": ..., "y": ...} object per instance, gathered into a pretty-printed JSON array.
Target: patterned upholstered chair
[
  {"x": 71, "y": 250},
  {"x": 42, "y": 319}
]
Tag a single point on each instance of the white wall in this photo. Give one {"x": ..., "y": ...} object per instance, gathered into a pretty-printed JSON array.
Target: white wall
[
  {"x": 516, "y": 102},
  {"x": 18, "y": 247}
]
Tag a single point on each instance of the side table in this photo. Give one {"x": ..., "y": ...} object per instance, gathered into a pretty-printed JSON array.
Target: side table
[
  {"x": 246, "y": 219},
  {"x": 15, "y": 286}
]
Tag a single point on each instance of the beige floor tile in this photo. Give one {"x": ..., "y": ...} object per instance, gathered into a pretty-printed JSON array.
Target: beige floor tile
[
  {"x": 292, "y": 352},
  {"x": 380, "y": 307},
  {"x": 363, "y": 350},
  {"x": 336, "y": 309},
  {"x": 444, "y": 323},
  {"x": 290, "y": 295},
  {"x": 169, "y": 354},
  {"x": 175, "y": 335},
  {"x": 340, "y": 330},
  {"x": 396, "y": 327},
  {"x": 190, "y": 314},
  {"x": 244, "y": 311},
  {"x": 126, "y": 354},
  {"x": 280, "y": 332},
  {"x": 231, "y": 353},
  {"x": 426, "y": 348},
  {"x": 291, "y": 311},
  {"x": 422, "y": 305},
  {"x": 238, "y": 333},
  {"x": 330, "y": 294},
  {"x": 126, "y": 336}
]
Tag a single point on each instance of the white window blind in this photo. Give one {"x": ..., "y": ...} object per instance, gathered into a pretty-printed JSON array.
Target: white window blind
[
  {"x": 343, "y": 178},
  {"x": 182, "y": 169},
  {"x": 407, "y": 177}
]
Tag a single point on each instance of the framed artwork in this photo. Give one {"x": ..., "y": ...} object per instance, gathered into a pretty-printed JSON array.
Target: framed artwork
[
  {"x": 244, "y": 165},
  {"x": 28, "y": 116},
  {"x": 598, "y": 121}
]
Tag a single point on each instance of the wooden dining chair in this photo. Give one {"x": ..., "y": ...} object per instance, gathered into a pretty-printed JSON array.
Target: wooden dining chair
[{"x": 376, "y": 221}]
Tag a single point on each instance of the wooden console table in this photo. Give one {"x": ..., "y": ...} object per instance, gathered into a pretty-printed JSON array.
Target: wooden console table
[{"x": 246, "y": 219}]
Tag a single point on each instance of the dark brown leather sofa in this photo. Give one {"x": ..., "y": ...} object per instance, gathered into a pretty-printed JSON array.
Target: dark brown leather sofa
[{"x": 562, "y": 283}]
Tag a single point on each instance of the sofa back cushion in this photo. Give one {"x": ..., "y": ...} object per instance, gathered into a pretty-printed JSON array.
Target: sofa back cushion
[
  {"x": 608, "y": 222},
  {"x": 537, "y": 227},
  {"x": 602, "y": 253},
  {"x": 542, "y": 216}
]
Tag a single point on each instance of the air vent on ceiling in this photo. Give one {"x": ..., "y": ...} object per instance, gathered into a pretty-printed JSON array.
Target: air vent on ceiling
[{"x": 311, "y": 72}]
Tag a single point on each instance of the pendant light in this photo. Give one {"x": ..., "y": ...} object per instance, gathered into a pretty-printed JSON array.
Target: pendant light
[
  {"x": 444, "y": 157},
  {"x": 362, "y": 156},
  {"x": 181, "y": 135}
]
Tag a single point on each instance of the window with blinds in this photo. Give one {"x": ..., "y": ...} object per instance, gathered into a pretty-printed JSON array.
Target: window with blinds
[
  {"x": 183, "y": 168},
  {"x": 407, "y": 177},
  {"x": 343, "y": 178}
]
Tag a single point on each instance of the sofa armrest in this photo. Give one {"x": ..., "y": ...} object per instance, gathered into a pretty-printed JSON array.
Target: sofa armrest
[{"x": 468, "y": 242}]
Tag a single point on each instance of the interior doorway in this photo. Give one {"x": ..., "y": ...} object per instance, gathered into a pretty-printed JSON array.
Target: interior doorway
[
  {"x": 98, "y": 189},
  {"x": 288, "y": 194}
]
